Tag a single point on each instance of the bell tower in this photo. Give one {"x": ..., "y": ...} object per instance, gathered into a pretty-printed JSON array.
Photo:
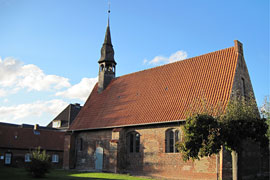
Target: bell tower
[{"x": 106, "y": 62}]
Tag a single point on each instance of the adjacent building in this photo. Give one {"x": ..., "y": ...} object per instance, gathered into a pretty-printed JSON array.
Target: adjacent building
[
  {"x": 64, "y": 119},
  {"x": 17, "y": 142}
]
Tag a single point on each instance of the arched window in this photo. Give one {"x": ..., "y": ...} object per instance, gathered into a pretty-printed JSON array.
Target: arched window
[
  {"x": 101, "y": 67},
  {"x": 172, "y": 136},
  {"x": 133, "y": 142}
]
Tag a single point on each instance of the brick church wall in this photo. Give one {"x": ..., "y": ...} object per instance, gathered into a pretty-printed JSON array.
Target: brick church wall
[
  {"x": 152, "y": 160},
  {"x": 85, "y": 157}
]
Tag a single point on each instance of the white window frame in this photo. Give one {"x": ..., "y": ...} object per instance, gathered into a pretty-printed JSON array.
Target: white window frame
[
  {"x": 55, "y": 158},
  {"x": 8, "y": 157},
  {"x": 56, "y": 124},
  {"x": 27, "y": 157}
]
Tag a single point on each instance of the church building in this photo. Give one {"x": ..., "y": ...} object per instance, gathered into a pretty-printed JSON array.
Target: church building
[{"x": 131, "y": 123}]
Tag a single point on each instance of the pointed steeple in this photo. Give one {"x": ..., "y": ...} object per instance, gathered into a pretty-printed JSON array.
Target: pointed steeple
[
  {"x": 106, "y": 62},
  {"x": 107, "y": 52}
]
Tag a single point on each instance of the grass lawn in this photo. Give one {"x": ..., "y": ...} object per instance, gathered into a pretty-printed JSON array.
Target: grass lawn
[{"x": 21, "y": 174}]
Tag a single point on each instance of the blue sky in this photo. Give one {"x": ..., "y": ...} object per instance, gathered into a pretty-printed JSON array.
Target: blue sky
[{"x": 49, "y": 48}]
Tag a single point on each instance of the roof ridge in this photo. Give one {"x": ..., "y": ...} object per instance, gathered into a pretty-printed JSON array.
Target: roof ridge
[{"x": 174, "y": 62}]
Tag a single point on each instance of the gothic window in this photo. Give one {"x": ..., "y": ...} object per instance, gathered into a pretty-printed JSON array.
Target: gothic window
[
  {"x": 133, "y": 142},
  {"x": 109, "y": 68},
  {"x": 101, "y": 68},
  {"x": 172, "y": 136}
]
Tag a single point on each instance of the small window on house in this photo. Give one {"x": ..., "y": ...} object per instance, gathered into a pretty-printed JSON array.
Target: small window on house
[
  {"x": 36, "y": 132},
  {"x": 243, "y": 87},
  {"x": 27, "y": 157},
  {"x": 55, "y": 158},
  {"x": 56, "y": 124},
  {"x": 8, "y": 158},
  {"x": 133, "y": 142},
  {"x": 172, "y": 136},
  {"x": 81, "y": 144}
]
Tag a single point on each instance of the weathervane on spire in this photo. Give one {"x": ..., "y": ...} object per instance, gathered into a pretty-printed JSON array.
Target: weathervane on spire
[{"x": 109, "y": 11}]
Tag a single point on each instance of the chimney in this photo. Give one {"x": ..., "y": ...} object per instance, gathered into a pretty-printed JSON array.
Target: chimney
[
  {"x": 36, "y": 127},
  {"x": 77, "y": 105},
  {"x": 238, "y": 47}
]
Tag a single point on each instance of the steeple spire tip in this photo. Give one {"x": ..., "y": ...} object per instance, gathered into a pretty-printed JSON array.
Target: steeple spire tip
[{"x": 109, "y": 11}]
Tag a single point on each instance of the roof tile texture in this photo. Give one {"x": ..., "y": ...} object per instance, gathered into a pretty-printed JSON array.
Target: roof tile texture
[
  {"x": 162, "y": 94},
  {"x": 24, "y": 138}
]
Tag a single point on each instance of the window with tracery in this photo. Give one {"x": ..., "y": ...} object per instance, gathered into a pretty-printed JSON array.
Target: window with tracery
[
  {"x": 172, "y": 136},
  {"x": 133, "y": 142}
]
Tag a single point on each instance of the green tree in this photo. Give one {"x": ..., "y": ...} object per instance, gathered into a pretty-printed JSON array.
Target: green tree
[
  {"x": 242, "y": 122},
  {"x": 39, "y": 164},
  {"x": 201, "y": 137},
  {"x": 204, "y": 134},
  {"x": 265, "y": 112}
]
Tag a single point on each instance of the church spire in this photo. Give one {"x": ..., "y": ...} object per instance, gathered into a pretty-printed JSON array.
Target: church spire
[
  {"x": 106, "y": 62},
  {"x": 107, "y": 52}
]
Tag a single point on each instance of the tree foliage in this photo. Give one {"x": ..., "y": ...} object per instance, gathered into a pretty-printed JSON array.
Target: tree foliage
[
  {"x": 204, "y": 134},
  {"x": 265, "y": 111},
  {"x": 201, "y": 137},
  {"x": 39, "y": 164},
  {"x": 242, "y": 121}
]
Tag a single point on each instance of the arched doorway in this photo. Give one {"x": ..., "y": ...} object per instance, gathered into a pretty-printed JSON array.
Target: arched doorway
[{"x": 99, "y": 159}]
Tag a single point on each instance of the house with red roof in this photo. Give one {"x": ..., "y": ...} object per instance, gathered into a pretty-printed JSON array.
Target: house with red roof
[
  {"x": 17, "y": 142},
  {"x": 132, "y": 123}
]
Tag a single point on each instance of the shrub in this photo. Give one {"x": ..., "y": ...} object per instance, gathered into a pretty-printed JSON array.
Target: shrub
[{"x": 39, "y": 164}]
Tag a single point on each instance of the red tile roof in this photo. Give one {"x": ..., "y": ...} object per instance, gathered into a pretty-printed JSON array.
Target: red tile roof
[
  {"x": 161, "y": 94},
  {"x": 25, "y": 138}
]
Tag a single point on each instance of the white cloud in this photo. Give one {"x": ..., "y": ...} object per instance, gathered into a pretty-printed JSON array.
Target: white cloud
[
  {"x": 17, "y": 113},
  {"x": 16, "y": 75},
  {"x": 79, "y": 91},
  {"x": 3, "y": 93},
  {"x": 177, "y": 56}
]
